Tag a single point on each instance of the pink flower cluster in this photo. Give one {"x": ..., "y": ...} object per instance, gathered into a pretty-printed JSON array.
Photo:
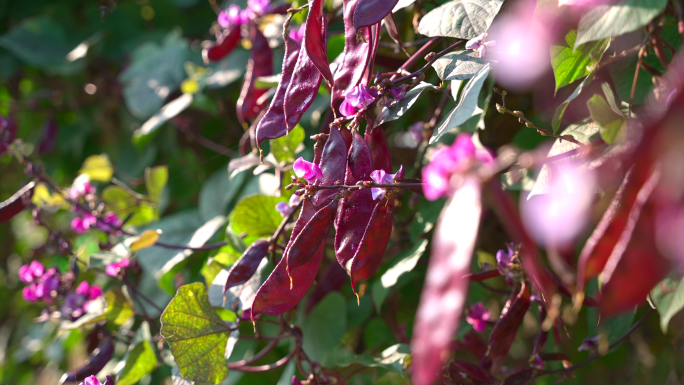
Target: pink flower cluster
[
  {"x": 92, "y": 380},
  {"x": 307, "y": 170},
  {"x": 42, "y": 284},
  {"x": 478, "y": 316},
  {"x": 235, "y": 16},
  {"x": 116, "y": 268},
  {"x": 286, "y": 208},
  {"x": 382, "y": 177},
  {"x": 80, "y": 187},
  {"x": 358, "y": 99},
  {"x": 479, "y": 44},
  {"x": 109, "y": 222},
  {"x": 450, "y": 160},
  {"x": 81, "y": 302}
]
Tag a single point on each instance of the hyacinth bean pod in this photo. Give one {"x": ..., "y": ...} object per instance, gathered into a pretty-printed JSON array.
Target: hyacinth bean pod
[
  {"x": 97, "y": 360},
  {"x": 473, "y": 371},
  {"x": 316, "y": 231},
  {"x": 260, "y": 64},
  {"x": 369, "y": 12},
  {"x": 379, "y": 149},
  {"x": 315, "y": 41},
  {"x": 275, "y": 296},
  {"x": 393, "y": 30},
  {"x": 16, "y": 203},
  {"x": 247, "y": 265},
  {"x": 354, "y": 57},
  {"x": 220, "y": 49},
  {"x": 302, "y": 88},
  {"x": 356, "y": 209},
  {"x": 445, "y": 289},
  {"x": 375, "y": 38},
  {"x": 273, "y": 124},
  {"x": 503, "y": 334}
]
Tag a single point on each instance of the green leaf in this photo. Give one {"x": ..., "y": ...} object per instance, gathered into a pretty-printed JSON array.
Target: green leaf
[
  {"x": 404, "y": 263},
  {"x": 612, "y": 123},
  {"x": 324, "y": 327},
  {"x": 668, "y": 297},
  {"x": 155, "y": 181},
  {"x": 622, "y": 74},
  {"x": 169, "y": 111},
  {"x": 285, "y": 148},
  {"x": 147, "y": 239},
  {"x": 98, "y": 167},
  {"x": 124, "y": 204},
  {"x": 466, "y": 107},
  {"x": 225, "y": 258},
  {"x": 218, "y": 192},
  {"x": 196, "y": 334},
  {"x": 560, "y": 110},
  {"x": 154, "y": 73},
  {"x": 183, "y": 228},
  {"x": 401, "y": 106},
  {"x": 460, "y": 65},
  {"x": 256, "y": 215},
  {"x": 119, "y": 307},
  {"x": 464, "y": 19},
  {"x": 570, "y": 63},
  {"x": 392, "y": 359},
  {"x": 140, "y": 359},
  {"x": 604, "y": 21}
]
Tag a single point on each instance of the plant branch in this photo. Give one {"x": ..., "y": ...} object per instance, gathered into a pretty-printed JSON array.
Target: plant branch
[{"x": 431, "y": 58}]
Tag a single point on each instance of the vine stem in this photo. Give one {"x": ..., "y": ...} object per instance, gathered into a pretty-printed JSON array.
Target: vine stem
[
  {"x": 281, "y": 227},
  {"x": 367, "y": 185},
  {"x": 432, "y": 57}
]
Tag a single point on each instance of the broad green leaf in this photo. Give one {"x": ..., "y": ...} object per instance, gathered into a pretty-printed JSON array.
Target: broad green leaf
[
  {"x": 614, "y": 327},
  {"x": 612, "y": 123},
  {"x": 218, "y": 192},
  {"x": 185, "y": 228},
  {"x": 98, "y": 167},
  {"x": 466, "y": 107},
  {"x": 124, "y": 204},
  {"x": 154, "y": 73},
  {"x": 377, "y": 333},
  {"x": 401, "y": 106},
  {"x": 604, "y": 21},
  {"x": 170, "y": 110},
  {"x": 147, "y": 239},
  {"x": 668, "y": 298},
  {"x": 584, "y": 132},
  {"x": 622, "y": 74},
  {"x": 404, "y": 263},
  {"x": 560, "y": 110},
  {"x": 324, "y": 327},
  {"x": 460, "y": 65},
  {"x": 392, "y": 359},
  {"x": 140, "y": 359},
  {"x": 285, "y": 148},
  {"x": 570, "y": 63},
  {"x": 464, "y": 19},
  {"x": 256, "y": 215},
  {"x": 119, "y": 307},
  {"x": 155, "y": 181},
  {"x": 196, "y": 334}
]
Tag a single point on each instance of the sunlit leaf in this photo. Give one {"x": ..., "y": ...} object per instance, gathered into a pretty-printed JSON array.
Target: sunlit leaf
[
  {"x": 465, "y": 19},
  {"x": 98, "y": 167},
  {"x": 668, "y": 297},
  {"x": 256, "y": 216},
  {"x": 147, "y": 239},
  {"x": 570, "y": 63}
]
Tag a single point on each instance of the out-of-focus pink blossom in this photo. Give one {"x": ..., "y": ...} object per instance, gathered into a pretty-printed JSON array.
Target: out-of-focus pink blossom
[
  {"x": 536, "y": 362},
  {"x": 307, "y": 170},
  {"x": 80, "y": 187},
  {"x": 447, "y": 161},
  {"x": 296, "y": 381},
  {"x": 82, "y": 224},
  {"x": 29, "y": 293},
  {"x": 259, "y": 7},
  {"x": 589, "y": 344},
  {"x": 81, "y": 301},
  {"x": 560, "y": 214},
  {"x": 233, "y": 17},
  {"x": 113, "y": 269},
  {"x": 478, "y": 316},
  {"x": 297, "y": 34},
  {"x": 285, "y": 208},
  {"x": 110, "y": 221},
  {"x": 42, "y": 283},
  {"x": 28, "y": 273},
  {"x": 92, "y": 380},
  {"x": 479, "y": 44},
  {"x": 504, "y": 258},
  {"x": 416, "y": 129},
  {"x": 382, "y": 177}
]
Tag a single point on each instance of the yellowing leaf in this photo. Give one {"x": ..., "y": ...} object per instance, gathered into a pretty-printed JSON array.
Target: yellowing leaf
[
  {"x": 43, "y": 198},
  {"x": 147, "y": 239},
  {"x": 190, "y": 86},
  {"x": 98, "y": 167}
]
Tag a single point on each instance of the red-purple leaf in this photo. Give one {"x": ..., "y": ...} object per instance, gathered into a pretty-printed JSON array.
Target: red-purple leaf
[
  {"x": 393, "y": 30},
  {"x": 302, "y": 89},
  {"x": 503, "y": 334},
  {"x": 354, "y": 57},
  {"x": 314, "y": 233},
  {"x": 482, "y": 275},
  {"x": 315, "y": 41},
  {"x": 369, "y": 12},
  {"x": 260, "y": 64},
  {"x": 379, "y": 149},
  {"x": 444, "y": 293},
  {"x": 333, "y": 166},
  {"x": 16, "y": 203},
  {"x": 247, "y": 265},
  {"x": 273, "y": 125},
  {"x": 217, "y": 51},
  {"x": 355, "y": 210},
  {"x": 97, "y": 360}
]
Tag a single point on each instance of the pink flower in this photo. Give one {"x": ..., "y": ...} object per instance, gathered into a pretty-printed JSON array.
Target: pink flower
[
  {"x": 92, "y": 380},
  {"x": 81, "y": 225},
  {"x": 360, "y": 97},
  {"x": 233, "y": 16},
  {"x": 109, "y": 222},
  {"x": 29, "y": 293},
  {"x": 479, "y": 44},
  {"x": 398, "y": 92},
  {"x": 589, "y": 344},
  {"x": 416, "y": 129},
  {"x": 537, "y": 362},
  {"x": 259, "y": 7},
  {"x": 346, "y": 109},
  {"x": 297, "y": 34},
  {"x": 307, "y": 170},
  {"x": 285, "y": 208},
  {"x": 382, "y": 177},
  {"x": 478, "y": 316},
  {"x": 447, "y": 161},
  {"x": 113, "y": 269},
  {"x": 504, "y": 258},
  {"x": 80, "y": 187},
  {"x": 29, "y": 273}
]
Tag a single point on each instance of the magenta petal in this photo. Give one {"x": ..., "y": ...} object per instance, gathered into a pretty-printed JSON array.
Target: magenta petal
[
  {"x": 25, "y": 274},
  {"x": 377, "y": 192},
  {"x": 29, "y": 294},
  {"x": 354, "y": 97},
  {"x": 83, "y": 288},
  {"x": 301, "y": 167},
  {"x": 282, "y": 208},
  {"x": 112, "y": 269},
  {"x": 463, "y": 147},
  {"x": 435, "y": 182},
  {"x": 347, "y": 109},
  {"x": 398, "y": 92},
  {"x": 95, "y": 291},
  {"x": 378, "y": 176}
]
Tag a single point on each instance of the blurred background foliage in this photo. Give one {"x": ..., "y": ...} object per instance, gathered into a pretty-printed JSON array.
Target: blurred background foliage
[{"x": 84, "y": 77}]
